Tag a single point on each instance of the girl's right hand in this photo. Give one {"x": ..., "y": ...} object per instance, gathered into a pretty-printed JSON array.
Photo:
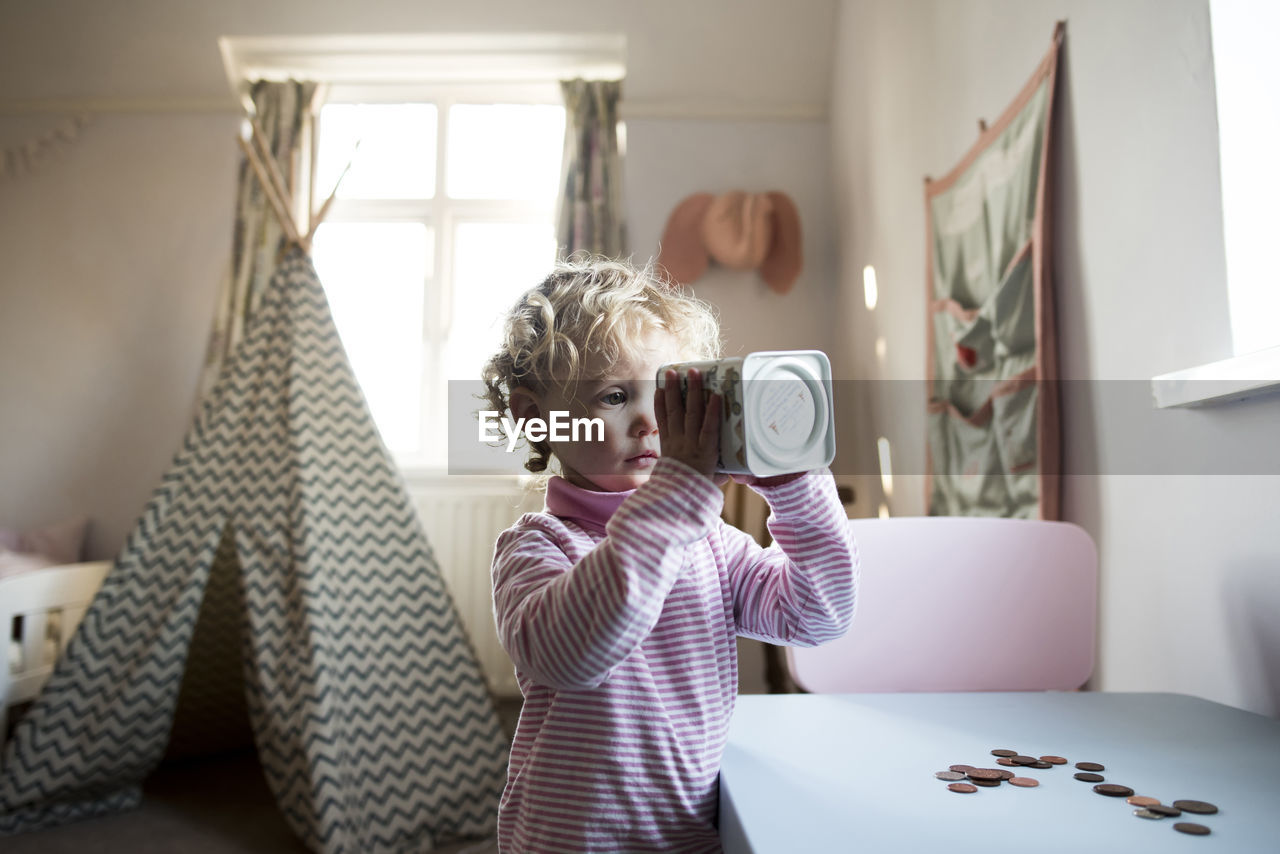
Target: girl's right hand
[{"x": 688, "y": 428}]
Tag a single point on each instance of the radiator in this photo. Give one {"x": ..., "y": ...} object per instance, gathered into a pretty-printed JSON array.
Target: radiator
[{"x": 462, "y": 518}]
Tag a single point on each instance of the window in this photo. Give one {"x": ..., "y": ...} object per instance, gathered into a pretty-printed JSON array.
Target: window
[
  {"x": 443, "y": 218},
  {"x": 1247, "y": 84}
]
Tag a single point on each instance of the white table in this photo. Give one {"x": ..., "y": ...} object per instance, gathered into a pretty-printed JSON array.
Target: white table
[{"x": 834, "y": 773}]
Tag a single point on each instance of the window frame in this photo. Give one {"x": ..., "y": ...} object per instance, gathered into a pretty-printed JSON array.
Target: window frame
[{"x": 1253, "y": 368}]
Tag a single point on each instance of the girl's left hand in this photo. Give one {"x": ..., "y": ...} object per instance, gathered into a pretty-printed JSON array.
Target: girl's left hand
[{"x": 688, "y": 427}]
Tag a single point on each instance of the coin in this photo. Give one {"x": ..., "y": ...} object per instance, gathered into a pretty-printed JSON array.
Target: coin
[
  {"x": 1053, "y": 760},
  {"x": 1000, "y": 751},
  {"x": 989, "y": 784},
  {"x": 1006, "y": 774},
  {"x": 964, "y": 788},
  {"x": 1023, "y": 760},
  {"x": 1006, "y": 761},
  {"x": 1086, "y": 777},
  {"x": 1192, "y": 828},
  {"x": 949, "y": 775},
  {"x": 1040, "y": 764},
  {"x": 1168, "y": 812},
  {"x": 963, "y": 769},
  {"x": 1113, "y": 790},
  {"x": 1146, "y": 813},
  {"x": 1201, "y": 807},
  {"x": 1024, "y": 782},
  {"x": 1143, "y": 801},
  {"x": 985, "y": 774},
  {"x": 1090, "y": 766}
]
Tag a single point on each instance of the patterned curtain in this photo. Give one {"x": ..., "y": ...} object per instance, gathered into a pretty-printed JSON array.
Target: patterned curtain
[
  {"x": 590, "y": 211},
  {"x": 285, "y": 113}
]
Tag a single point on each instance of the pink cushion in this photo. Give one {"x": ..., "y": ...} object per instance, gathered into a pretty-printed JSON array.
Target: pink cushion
[
  {"x": 13, "y": 563},
  {"x": 49, "y": 545}
]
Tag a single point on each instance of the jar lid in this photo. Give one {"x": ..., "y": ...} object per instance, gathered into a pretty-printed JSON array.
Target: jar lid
[{"x": 789, "y": 423}]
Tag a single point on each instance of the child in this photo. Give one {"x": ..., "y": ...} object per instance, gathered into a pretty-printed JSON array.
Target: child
[{"x": 620, "y": 604}]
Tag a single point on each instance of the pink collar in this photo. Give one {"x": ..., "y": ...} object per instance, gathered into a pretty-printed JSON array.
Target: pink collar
[{"x": 589, "y": 508}]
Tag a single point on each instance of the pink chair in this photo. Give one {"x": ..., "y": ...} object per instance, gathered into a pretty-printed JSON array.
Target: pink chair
[{"x": 963, "y": 604}]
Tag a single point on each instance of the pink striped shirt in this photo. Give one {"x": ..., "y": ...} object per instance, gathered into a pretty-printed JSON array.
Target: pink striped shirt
[{"x": 620, "y": 611}]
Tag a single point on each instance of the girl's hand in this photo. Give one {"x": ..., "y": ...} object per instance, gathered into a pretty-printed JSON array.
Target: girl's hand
[{"x": 688, "y": 428}]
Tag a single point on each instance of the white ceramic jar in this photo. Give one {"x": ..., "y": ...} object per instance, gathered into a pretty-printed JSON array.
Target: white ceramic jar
[{"x": 777, "y": 415}]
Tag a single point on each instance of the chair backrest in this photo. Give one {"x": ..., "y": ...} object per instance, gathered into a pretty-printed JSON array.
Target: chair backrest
[
  {"x": 51, "y": 602},
  {"x": 963, "y": 604}
]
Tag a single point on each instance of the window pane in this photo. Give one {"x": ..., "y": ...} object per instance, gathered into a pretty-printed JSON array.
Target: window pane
[
  {"x": 504, "y": 151},
  {"x": 493, "y": 264},
  {"x": 374, "y": 275},
  {"x": 397, "y": 154}
]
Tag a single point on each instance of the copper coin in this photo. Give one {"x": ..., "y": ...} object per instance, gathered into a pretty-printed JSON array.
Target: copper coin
[
  {"x": 1167, "y": 812},
  {"x": 1143, "y": 801},
  {"x": 1053, "y": 760},
  {"x": 1201, "y": 807},
  {"x": 1145, "y": 813},
  {"x": 1005, "y": 761},
  {"x": 1000, "y": 751},
  {"x": 1006, "y": 774},
  {"x": 1111, "y": 790},
  {"x": 1086, "y": 777},
  {"x": 964, "y": 788},
  {"x": 949, "y": 775},
  {"x": 1024, "y": 782},
  {"x": 1090, "y": 766},
  {"x": 986, "y": 784},
  {"x": 984, "y": 774},
  {"x": 963, "y": 769},
  {"x": 1192, "y": 828},
  {"x": 1040, "y": 764},
  {"x": 1023, "y": 760}
]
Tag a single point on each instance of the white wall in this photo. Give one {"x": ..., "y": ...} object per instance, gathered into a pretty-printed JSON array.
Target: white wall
[
  {"x": 111, "y": 254},
  {"x": 668, "y": 160},
  {"x": 1189, "y": 561},
  {"x": 737, "y": 51}
]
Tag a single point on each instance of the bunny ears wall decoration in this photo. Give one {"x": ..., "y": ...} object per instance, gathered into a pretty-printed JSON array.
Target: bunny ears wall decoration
[{"x": 740, "y": 231}]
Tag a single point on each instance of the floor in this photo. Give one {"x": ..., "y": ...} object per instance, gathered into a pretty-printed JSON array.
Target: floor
[
  {"x": 206, "y": 806},
  {"x": 209, "y": 806}
]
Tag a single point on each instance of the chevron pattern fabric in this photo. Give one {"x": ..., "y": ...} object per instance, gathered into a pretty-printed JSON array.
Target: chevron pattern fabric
[
  {"x": 373, "y": 722},
  {"x": 210, "y": 717}
]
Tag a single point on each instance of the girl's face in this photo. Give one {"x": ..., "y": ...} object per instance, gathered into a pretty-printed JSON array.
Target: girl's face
[{"x": 623, "y": 399}]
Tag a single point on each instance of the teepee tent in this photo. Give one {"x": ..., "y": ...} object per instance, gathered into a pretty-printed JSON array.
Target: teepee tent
[{"x": 372, "y": 720}]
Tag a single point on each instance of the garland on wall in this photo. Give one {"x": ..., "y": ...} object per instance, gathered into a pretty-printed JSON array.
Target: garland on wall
[{"x": 26, "y": 157}]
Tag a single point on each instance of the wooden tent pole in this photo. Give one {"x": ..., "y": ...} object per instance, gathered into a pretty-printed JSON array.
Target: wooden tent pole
[
  {"x": 318, "y": 217},
  {"x": 277, "y": 193},
  {"x": 268, "y": 189},
  {"x": 273, "y": 170}
]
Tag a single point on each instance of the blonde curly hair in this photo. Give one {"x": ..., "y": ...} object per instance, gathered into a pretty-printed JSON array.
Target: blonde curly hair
[{"x": 590, "y": 307}]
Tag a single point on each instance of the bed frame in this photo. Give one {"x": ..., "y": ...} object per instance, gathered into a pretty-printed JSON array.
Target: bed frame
[{"x": 39, "y": 612}]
